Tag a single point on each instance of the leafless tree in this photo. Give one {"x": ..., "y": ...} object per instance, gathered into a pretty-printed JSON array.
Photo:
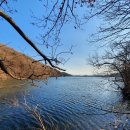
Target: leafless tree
[
  {"x": 114, "y": 32},
  {"x": 58, "y": 13},
  {"x": 116, "y": 62},
  {"x": 116, "y": 16}
]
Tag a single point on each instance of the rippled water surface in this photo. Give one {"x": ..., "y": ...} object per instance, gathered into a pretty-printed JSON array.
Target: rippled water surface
[{"x": 69, "y": 103}]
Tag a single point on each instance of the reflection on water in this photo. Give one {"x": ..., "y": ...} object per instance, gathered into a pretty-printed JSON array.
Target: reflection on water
[{"x": 64, "y": 104}]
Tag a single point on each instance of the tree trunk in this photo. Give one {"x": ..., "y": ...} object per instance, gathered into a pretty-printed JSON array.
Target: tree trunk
[{"x": 126, "y": 92}]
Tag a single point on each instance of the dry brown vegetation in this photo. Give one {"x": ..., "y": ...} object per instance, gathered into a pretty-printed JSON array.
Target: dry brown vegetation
[{"x": 23, "y": 67}]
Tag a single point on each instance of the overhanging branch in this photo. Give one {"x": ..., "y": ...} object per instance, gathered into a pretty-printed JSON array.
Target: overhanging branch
[{"x": 22, "y": 34}]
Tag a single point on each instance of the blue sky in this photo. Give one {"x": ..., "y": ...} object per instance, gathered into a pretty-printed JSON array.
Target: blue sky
[{"x": 78, "y": 61}]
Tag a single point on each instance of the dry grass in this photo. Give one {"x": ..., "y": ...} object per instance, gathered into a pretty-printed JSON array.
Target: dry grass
[{"x": 22, "y": 66}]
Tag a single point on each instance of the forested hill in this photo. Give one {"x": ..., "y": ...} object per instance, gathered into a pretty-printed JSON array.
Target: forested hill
[{"x": 13, "y": 64}]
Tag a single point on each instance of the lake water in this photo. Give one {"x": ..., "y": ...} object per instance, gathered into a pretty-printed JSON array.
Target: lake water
[{"x": 66, "y": 103}]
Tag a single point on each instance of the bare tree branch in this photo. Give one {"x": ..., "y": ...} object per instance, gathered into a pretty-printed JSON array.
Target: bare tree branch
[{"x": 7, "y": 18}]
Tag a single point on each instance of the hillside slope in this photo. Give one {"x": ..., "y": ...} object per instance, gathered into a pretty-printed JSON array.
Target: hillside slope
[{"x": 22, "y": 67}]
